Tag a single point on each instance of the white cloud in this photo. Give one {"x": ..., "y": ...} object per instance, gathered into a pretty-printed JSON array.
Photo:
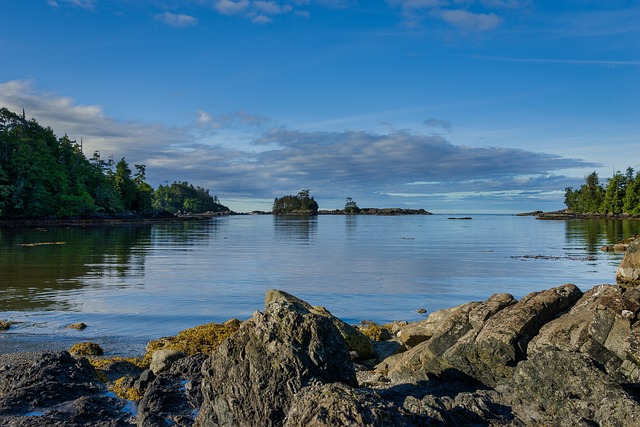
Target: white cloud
[
  {"x": 176, "y": 20},
  {"x": 471, "y": 21},
  {"x": 84, "y": 4},
  {"x": 215, "y": 152},
  {"x": 231, "y": 7}
]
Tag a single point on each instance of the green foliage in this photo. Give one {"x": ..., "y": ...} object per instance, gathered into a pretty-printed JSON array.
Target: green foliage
[
  {"x": 184, "y": 197},
  {"x": 351, "y": 207},
  {"x": 45, "y": 176},
  {"x": 621, "y": 196},
  {"x": 301, "y": 204}
]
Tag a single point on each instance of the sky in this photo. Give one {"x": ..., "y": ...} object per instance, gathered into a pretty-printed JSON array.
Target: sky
[{"x": 453, "y": 106}]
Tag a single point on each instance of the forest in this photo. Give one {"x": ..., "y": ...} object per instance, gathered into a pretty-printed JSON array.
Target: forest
[
  {"x": 42, "y": 176},
  {"x": 620, "y": 196}
]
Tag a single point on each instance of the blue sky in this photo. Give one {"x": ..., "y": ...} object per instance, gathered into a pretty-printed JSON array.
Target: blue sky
[{"x": 454, "y": 106}]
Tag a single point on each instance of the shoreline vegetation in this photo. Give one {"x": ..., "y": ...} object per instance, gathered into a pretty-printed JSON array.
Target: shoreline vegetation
[{"x": 555, "y": 357}]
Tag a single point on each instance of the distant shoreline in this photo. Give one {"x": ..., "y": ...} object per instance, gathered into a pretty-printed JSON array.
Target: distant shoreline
[{"x": 566, "y": 214}]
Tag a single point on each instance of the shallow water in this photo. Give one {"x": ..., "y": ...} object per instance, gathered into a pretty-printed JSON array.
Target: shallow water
[{"x": 135, "y": 283}]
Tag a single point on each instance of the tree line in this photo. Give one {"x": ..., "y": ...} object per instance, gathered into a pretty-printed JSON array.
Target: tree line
[
  {"x": 301, "y": 203},
  {"x": 43, "y": 176},
  {"x": 620, "y": 196}
]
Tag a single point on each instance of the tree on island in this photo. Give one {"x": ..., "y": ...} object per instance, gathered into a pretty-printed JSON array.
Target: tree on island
[
  {"x": 184, "y": 197},
  {"x": 301, "y": 204},
  {"x": 621, "y": 196},
  {"x": 351, "y": 207}
]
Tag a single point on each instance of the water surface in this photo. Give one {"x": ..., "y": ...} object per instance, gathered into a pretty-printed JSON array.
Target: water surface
[{"x": 135, "y": 283}]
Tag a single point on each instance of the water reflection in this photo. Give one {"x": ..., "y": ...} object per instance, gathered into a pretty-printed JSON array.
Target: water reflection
[
  {"x": 36, "y": 264},
  {"x": 295, "y": 227},
  {"x": 591, "y": 235}
]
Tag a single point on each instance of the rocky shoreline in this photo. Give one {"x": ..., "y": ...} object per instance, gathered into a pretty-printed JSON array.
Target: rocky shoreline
[{"x": 557, "y": 357}]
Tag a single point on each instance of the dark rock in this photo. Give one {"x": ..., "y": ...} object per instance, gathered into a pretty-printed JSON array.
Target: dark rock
[
  {"x": 47, "y": 389},
  {"x": 4, "y": 326},
  {"x": 337, "y": 404},
  {"x": 164, "y": 403},
  {"x": 252, "y": 377},
  {"x": 78, "y": 326},
  {"x": 561, "y": 388}
]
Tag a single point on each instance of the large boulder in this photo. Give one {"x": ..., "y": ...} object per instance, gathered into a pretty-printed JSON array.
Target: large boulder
[
  {"x": 53, "y": 388},
  {"x": 562, "y": 388},
  {"x": 336, "y": 404},
  {"x": 628, "y": 271},
  {"x": 253, "y": 376},
  {"x": 602, "y": 324},
  {"x": 356, "y": 340},
  {"x": 483, "y": 341}
]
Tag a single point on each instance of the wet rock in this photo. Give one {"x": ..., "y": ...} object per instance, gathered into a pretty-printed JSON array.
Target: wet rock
[
  {"x": 4, "y": 326},
  {"x": 252, "y": 377},
  {"x": 164, "y": 404},
  {"x": 53, "y": 388},
  {"x": 337, "y": 404},
  {"x": 78, "y": 326}
]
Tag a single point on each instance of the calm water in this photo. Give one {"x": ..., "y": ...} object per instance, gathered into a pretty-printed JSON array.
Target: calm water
[{"x": 135, "y": 283}]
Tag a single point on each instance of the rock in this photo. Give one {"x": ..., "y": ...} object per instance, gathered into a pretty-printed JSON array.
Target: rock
[
  {"x": 161, "y": 360},
  {"x": 493, "y": 349},
  {"x": 628, "y": 271},
  {"x": 483, "y": 341},
  {"x": 414, "y": 333},
  {"x": 4, "y": 326},
  {"x": 252, "y": 377},
  {"x": 174, "y": 396},
  {"x": 385, "y": 349},
  {"x": 54, "y": 388},
  {"x": 86, "y": 349},
  {"x": 445, "y": 328},
  {"x": 356, "y": 340},
  {"x": 80, "y": 326},
  {"x": 164, "y": 404},
  {"x": 561, "y": 388},
  {"x": 602, "y": 324},
  {"x": 337, "y": 404}
]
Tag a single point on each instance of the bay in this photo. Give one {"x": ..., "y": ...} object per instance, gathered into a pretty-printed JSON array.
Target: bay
[{"x": 130, "y": 284}]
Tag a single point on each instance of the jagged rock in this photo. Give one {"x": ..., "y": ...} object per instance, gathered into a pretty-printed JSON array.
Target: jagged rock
[
  {"x": 174, "y": 396},
  {"x": 253, "y": 376},
  {"x": 337, "y": 404},
  {"x": 54, "y": 388},
  {"x": 603, "y": 324},
  {"x": 483, "y": 341},
  {"x": 416, "y": 332},
  {"x": 493, "y": 349},
  {"x": 451, "y": 326},
  {"x": 356, "y": 340},
  {"x": 561, "y": 388}
]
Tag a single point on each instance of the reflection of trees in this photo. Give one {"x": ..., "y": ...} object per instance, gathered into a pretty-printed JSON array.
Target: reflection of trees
[
  {"x": 185, "y": 233},
  {"x": 38, "y": 263},
  {"x": 295, "y": 227},
  {"x": 594, "y": 233}
]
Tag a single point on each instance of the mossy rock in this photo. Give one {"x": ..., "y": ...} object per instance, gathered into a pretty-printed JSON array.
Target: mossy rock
[
  {"x": 86, "y": 349},
  {"x": 80, "y": 326},
  {"x": 201, "y": 339},
  {"x": 374, "y": 332},
  {"x": 123, "y": 389},
  {"x": 4, "y": 326}
]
